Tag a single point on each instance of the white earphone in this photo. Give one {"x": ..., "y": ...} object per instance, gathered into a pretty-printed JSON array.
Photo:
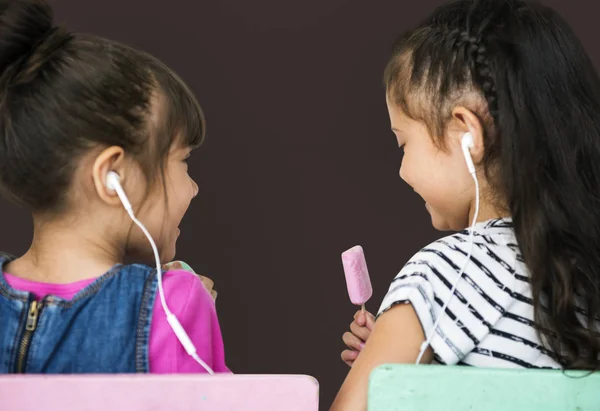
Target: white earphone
[
  {"x": 467, "y": 144},
  {"x": 113, "y": 182}
]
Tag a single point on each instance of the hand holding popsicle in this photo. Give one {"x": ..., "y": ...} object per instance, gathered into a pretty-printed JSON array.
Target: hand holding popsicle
[{"x": 356, "y": 338}]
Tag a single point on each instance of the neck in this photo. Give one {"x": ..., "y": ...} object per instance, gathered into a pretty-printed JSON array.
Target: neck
[
  {"x": 67, "y": 251},
  {"x": 490, "y": 207},
  {"x": 487, "y": 212}
]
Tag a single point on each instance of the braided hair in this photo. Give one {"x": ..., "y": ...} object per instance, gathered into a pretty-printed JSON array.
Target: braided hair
[
  {"x": 537, "y": 96},
  {"x": 480, "y": 69}
]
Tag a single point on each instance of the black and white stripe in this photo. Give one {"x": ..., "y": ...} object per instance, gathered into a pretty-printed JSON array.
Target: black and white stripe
[{"x": 489, "y": 320}]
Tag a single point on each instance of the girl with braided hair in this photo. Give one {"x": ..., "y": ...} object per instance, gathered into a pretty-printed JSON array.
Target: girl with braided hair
[{"x": 527, "y": 292}]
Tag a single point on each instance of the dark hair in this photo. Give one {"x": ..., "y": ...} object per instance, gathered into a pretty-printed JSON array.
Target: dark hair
[
  {"x": 63, "y": 93},
  {"x": 520, "y": 68}
]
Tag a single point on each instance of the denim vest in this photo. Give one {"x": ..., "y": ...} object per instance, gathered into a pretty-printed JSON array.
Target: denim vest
[{"x": 103, "y": 329}]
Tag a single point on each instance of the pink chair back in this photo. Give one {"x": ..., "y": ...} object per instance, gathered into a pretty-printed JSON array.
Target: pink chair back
[{"x": 182, "y": 392}]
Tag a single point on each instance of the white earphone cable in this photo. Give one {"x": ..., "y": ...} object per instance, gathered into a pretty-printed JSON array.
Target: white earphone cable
[
  {"x": 173, "y": 321},
  {"x": 432, "y": 333},
  {"x": 178, "y": 329}
]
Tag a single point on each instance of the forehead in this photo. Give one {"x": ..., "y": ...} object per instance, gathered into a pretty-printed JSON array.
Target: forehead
[{"x": 397, "y": 116}]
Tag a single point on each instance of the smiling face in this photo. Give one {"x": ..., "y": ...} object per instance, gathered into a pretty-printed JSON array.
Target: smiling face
[
  {"x": 162, "y": 218},
  {"x": 439, "y": 176}
]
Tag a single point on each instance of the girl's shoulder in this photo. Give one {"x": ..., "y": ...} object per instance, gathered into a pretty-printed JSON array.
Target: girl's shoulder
[
  {"x": 180, "y": 278},
  {"x": 489, "y": 237},
  {"x": 491, "y": 251}
]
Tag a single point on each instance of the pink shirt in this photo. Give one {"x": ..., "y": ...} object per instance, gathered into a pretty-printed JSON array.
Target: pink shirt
[{"x": 187, "y": 299}]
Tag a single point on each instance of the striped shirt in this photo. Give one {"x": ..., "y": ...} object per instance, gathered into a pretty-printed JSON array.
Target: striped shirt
[{"x": 489, "y": 320}]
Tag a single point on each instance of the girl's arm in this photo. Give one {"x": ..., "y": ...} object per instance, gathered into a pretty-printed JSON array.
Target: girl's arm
[
  {"x": 396, "y": 338},
  {"x": 195, "y": 309}
]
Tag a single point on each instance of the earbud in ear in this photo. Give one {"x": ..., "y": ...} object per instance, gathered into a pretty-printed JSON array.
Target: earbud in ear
[
  {"x": 467, "y": 144},
  {"x": 113, "y": 182}
]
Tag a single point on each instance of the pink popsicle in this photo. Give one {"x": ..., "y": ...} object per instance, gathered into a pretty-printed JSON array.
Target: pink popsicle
[{"x": 357, "y": 276}]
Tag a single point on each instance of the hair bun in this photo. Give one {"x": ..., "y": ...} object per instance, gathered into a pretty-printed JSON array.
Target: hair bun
[{"x": 24, "y": 24}]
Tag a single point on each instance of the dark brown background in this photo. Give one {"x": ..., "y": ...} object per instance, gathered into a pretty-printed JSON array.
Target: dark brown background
[{"x": 299, "y": 164}]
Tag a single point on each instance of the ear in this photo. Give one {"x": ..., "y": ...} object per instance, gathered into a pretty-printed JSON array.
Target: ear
[
  {"x": 110, "y": 159},
  {"x": 466, "y": 121}
]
